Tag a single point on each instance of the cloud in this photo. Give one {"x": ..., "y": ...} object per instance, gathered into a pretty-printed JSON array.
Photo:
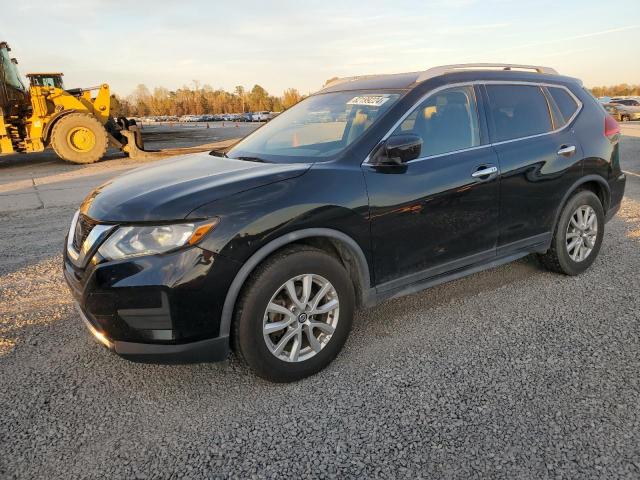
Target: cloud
[
  {"x": 462, "y": 29},
  {"x": 570, "y": 38}
]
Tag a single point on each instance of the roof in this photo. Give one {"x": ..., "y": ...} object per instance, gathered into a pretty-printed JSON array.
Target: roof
[
  {"x": 366, "y": 82},
  {"x": 408, "y": 80},
  {"x": 45, "y": 73}
]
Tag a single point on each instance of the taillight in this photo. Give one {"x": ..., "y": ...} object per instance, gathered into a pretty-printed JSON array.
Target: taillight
[{"x": 611, "y": 127}]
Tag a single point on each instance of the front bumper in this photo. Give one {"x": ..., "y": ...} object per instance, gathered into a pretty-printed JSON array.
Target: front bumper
[
  {"x": 156, "y": 308},
  {"x": 210, "y": 350}
]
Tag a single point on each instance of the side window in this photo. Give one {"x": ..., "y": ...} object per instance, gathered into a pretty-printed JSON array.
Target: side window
[
  {"x": 565, "y": 102},
  {"x": 518, "y": 111},
  {"x": 446, "y": 121}
]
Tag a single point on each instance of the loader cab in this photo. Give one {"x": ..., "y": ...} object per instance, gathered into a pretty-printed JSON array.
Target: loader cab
[
  {"x": 13, "y": 93},
  {"x": 51, "y": 80},
  {"x": 9, "y": 74}
]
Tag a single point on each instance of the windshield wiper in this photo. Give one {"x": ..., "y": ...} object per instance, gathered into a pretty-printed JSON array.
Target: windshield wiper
[
  {"x": 223, "y": 154},
  {"x": 252, "y": 159}
]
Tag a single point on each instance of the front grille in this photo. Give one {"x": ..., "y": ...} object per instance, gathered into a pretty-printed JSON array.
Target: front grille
[{"x": 82, "y": 231}]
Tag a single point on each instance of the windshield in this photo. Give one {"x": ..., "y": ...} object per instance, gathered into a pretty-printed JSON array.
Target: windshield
[
  {"x": 320, "y": 126},
  {"x": 46, "y": 81},
  {"x": 10, "y": 71}
]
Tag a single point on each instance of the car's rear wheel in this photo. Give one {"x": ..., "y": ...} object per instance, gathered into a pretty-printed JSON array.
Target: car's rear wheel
[
  {"x": 294, "y": 315},
  {"x": 578, "y": 235},
  {"x": 625, "y": 118}
]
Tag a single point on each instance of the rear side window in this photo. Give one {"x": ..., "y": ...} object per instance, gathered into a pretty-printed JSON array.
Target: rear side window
[
  {"x": 518, "y": 111},
  {"x": 565, "y": 102}
]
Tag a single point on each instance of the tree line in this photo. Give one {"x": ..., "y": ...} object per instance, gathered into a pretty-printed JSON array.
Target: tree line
[
  {"x": 198, "y": 100},
  {"x": 616, "y": 90}
]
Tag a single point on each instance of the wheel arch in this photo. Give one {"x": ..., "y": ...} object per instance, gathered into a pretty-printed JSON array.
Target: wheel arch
[
  {"x": 345, "y": 248},
  {"x": 594, "y": 183},
  {"x": 48, "y": 128}
]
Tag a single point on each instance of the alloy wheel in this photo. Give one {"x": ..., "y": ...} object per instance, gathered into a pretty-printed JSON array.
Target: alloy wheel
[
  {"x": 301, "y": 318},
  {"x": 582, "y": 233}
]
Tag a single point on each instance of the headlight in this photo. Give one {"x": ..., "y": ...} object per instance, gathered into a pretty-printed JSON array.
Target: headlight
[{"x": 134, "y": 241}]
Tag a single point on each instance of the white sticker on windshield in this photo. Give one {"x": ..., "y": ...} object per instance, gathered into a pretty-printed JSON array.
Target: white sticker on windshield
[{"x": 369, "y": 100}]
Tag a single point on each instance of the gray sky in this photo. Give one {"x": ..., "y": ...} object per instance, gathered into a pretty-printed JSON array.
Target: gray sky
[{"x": 283, "y": 44}]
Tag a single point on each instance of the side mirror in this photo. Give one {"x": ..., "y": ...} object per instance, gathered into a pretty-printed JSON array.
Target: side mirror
[{"x": 399, "y": 149}]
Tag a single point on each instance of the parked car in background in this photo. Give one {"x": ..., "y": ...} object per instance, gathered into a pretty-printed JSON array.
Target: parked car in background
[
  {"x": 614, "y": 110},
  {"x": 370, "y": 189},
  {"x": 263, "y": 116},
  {"x": 628, "y": 108}
]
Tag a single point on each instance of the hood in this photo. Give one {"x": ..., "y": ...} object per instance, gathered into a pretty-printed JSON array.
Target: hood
[{"x": 170, "y": 189}]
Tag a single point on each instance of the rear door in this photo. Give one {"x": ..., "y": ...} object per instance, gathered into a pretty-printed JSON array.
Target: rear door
[{"x": 539, "y": 159}]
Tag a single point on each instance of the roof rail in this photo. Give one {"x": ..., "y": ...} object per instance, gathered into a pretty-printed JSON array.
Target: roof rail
[
  {"x": 337, "y": 81},
  {"x": 435, "y": 71},
  {"x": 441, "y": 70}
]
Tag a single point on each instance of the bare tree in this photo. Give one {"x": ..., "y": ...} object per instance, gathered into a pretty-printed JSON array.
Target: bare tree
[
  {"x": 200, "y": 99},
  {"x": 290, "y": 97},
  {"x": 616, "y": 90}
]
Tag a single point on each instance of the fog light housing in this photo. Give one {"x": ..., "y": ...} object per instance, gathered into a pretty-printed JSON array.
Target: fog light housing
[{"x": 97, "y": 334}]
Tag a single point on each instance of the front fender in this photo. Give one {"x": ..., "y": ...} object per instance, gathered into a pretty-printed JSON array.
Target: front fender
[
  {"x": 320, "y": 198},
  {"x": 322, "y": 203}
]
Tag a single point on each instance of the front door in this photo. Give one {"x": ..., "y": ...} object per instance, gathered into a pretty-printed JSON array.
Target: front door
[{"x": 439, "y": 212}]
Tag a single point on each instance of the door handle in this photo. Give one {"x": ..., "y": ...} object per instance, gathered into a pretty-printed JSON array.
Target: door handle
[
  {"x": 484, "y": 172},
  {"x": 567, "y": 150}
]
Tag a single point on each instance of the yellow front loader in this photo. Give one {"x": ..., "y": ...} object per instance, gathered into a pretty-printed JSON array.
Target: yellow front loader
[
  {"x": 77, "y": 125},
  {"x": 74, "y": 122}
]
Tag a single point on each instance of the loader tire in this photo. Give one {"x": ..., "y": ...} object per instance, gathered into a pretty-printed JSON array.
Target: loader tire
[{"x": 79, "y": 138}]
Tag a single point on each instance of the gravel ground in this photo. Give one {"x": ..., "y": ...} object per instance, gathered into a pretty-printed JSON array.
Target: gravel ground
[{"x": 510, "y": 373}]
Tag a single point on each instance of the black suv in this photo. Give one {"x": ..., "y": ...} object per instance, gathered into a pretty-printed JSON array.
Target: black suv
[{"x": 373, "y": 188}]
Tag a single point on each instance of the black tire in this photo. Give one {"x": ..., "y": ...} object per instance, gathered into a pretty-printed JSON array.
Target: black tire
[
  {"x": 64, "y": 128},
  {"x": 557, "y": 258},
  {"x": 625, "y": 118},
  {"x": 248, "y": 339}
]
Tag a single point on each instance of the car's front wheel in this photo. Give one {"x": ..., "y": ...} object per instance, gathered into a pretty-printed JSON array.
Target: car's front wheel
[
  {"x": 578, "y": 235},
  {"x": 294, "y": 315}
]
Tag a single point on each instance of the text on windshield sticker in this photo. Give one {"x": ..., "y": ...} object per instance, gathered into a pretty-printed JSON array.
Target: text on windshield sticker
[{"x": 369, "y": 100}]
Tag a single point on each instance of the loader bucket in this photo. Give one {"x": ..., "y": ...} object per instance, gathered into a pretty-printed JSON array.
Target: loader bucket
[{"x": 135, "y": 146}]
